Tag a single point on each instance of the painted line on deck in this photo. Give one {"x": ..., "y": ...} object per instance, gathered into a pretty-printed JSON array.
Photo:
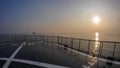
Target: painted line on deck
[
  {"x": 4, "y": 58},
  {"x": 12, "y": 56},
  {"x": 91, "y": 64},
  {"x": 41, "y": 64},
  {"x": 46, "y": 64},
  {"x": 105, "y": 60}
]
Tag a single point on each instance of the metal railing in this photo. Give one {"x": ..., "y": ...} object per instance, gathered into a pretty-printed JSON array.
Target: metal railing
[{"x": 106, "y": 49}]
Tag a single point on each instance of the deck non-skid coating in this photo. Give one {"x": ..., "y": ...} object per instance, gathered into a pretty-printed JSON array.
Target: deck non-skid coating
[
  {"x": 102, "y": 64},
  {"x": 22, "y": 65},
  {"x": 47, "y": 55},
  {"x": 7, "y": 49},
  {"x": 32, "y": 63},
  {"x": 1, "y": 63},
  {"x": 6, "y": 65}
]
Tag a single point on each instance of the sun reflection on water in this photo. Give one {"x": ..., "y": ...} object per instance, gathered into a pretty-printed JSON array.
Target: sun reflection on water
[{"x": 97, "y": 44}]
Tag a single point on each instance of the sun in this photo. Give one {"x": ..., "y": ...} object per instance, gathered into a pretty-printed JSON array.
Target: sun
[{"x": 96, "y": 19}]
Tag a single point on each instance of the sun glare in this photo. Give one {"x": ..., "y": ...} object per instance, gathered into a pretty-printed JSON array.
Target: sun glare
[
  {"x": 96, "y": 19},
  {"x": 97, "y": 34}
]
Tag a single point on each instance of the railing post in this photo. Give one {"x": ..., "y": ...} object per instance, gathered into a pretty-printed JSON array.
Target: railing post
[
  {"x": 52, "y": 41},
  {"x": 8, "y": 39},
  {"x": 61, "y": 40},
  {"x": 19, "y": 38},
  {"x": 58, "y": 40},
  {"x": 88, "y": 47},
  {"x": 101, "y": 49},
  {"x": 11, "y": 39},
  {"x": 25, "y": 37},
  {"x": 114, "y": 49},
  {"x": 47, "y": 39},
  {"x": 79, "y": 44},
  {"x": 15, "y": 38},
  {"x": 71, "y": 42},
  {"x": 40, "y": 38},
  {"x": 43, "y": 39},
  {"x": 35, "y": 37},
  {"x": 30, "y": 37},
  {"x": 65, "y": 40}
]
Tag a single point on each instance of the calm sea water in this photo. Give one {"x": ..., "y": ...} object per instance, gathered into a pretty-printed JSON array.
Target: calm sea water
[{"x": 102, "y": 37}]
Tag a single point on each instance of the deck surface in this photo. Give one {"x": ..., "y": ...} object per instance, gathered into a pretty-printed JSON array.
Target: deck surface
[{"x": 37, "y": 55}]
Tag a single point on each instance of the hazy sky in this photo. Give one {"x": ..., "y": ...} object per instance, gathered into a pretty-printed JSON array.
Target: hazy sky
[{"x": 20, "y": 16}]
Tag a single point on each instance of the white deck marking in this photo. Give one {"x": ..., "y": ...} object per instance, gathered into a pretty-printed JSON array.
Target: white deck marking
[
  {"x": 85, "y": 66},
  {"x": 81, "y": 54},
  {"x": 35, "y": 63},
  {"x": 12, "y": 56},
  {"x": 4, "y": 58},
  {"x": 105, "y": 60},
  {"x": 49, "y": 65},
  {"x": 39, "y": 63}
]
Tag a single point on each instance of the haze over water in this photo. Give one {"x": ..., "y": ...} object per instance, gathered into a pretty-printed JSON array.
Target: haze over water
[
  {"x": 61, "y": 16},
  {"x": 102, "y": 37}
]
